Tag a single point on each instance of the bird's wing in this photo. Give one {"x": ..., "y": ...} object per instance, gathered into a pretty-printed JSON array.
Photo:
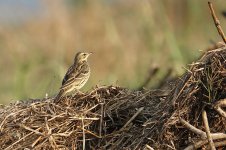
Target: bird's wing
[
  {"x": 66, "y": 76},
  {"x": 73, "y": 76}
]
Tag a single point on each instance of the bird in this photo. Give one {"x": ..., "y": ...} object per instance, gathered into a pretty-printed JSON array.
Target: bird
[{"x": 76, "y": 76}]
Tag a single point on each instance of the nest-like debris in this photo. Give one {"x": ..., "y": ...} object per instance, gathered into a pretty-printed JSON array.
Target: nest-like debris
[
  {"x": 117, "y": 118},
  {"x": 97, "y": 119}
]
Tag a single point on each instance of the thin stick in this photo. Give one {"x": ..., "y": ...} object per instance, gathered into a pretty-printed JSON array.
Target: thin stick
[
  {"x": 218, "y": 105},
  {"x": 149, "y": 147},
  {"x": 10, "y": 146},
  {"x": 49, "y": 133},
  {"x": 91, "y": 108},
  {"x": 193, "y": 129},
  {"x": 200, "y": 132},
  {"x": 101, "y": 118},
  {"x": 206, "y": 125},
  {"x": 217, "y": 22},
  {"x": 14, "y": 113},
  {"x": 215, "y": 136},
  {"x": 36, "y": 141},
  {"x": 84, "y": 135},
  {"x": 132, "y": 118},
  {"x": 32, "y": 130},
  {"x": 222, "y": 103},
  {"x": 81, "y": 118},
  {"x": 220, "y": 111},
  {"x": 89, "y": 132}
]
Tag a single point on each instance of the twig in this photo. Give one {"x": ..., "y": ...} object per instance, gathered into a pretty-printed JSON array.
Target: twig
[
  {"x": 215, "y": 136},
  {"x": 89, "y": 132},
  {"x": 218, "y": 105},
  {"x": 88, "y": 110},
  {"x": 14, "y": 113},
  {"x": 220, "y": 111},
  {"x": 193, "y": 129},
  {"x": 65, "y": 134},
  {"x": 216, "y": 50},
  {"x": 217, "y": 22},
  {"x": 81, "y": 118},
  {"x": 206, "y": 125},
  {"x": 200, "y": 132},
  {"x": 149, "y": 147},
  {"x": 32, "y": 130},
  {"x": 40, "y": 145},
  {"x": 36, "y": 141},
  {"x": 49, "y": 133},
  {"x": 57, "y": 116},
  {"x": 10, "y": 146},
  {"x": 101, "y": 118},
  {"x": 222, "y": 103},
  {"x": 84, "y": 136},
  {"x": 132, "y": 118}
]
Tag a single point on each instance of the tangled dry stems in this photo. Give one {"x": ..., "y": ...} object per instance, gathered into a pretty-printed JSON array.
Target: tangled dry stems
[{"x": 189, "y": 116}]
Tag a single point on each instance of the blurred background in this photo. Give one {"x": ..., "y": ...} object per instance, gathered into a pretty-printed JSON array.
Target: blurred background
[{"x": 38, "y": 41}]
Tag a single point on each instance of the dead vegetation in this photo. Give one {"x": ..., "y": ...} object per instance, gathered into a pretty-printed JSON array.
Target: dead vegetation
[{"x": 189, "y": 115}]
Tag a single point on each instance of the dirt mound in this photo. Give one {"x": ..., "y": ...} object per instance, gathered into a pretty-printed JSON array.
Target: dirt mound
[{"x": 117, "y": 118}]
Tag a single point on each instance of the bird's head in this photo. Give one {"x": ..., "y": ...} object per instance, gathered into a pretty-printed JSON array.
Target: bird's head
[{"x": 81, "y": 56}]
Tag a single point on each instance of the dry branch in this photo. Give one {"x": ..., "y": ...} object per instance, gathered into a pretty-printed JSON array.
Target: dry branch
[
  {"x": 207, "y": 128},
  {"x": 217, "y": 22},
  {"x": 193, "y": 129},
  {"x": 132, "y": 118},
  {"x": 218, "y": 105}
]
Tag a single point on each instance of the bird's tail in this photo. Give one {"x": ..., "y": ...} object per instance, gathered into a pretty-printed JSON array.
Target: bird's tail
[{"x": 59, "y": 96}]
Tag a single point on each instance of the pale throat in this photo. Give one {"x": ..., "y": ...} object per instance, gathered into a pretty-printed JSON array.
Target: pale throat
[{"x": 80, "y": 62}]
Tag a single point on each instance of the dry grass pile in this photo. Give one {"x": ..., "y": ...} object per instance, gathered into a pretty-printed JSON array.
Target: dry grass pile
[
  {"x": 100, "y": 117},
  {"x": 188, "y": 116},
  {"x": 198, "y": 103}
]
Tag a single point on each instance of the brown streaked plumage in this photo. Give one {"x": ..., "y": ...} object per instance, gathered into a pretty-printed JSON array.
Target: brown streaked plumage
[{"x": 76, "y": 76}]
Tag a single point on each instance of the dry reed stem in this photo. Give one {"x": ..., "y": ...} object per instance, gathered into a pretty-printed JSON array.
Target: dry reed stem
[
  {"x": 132, "y": 118},
  {"x": 215, "y": 136},
  {"x": 10, "y": 146},
  {"x": 218, "y": 105},
  {"x": 83, "y": 135},
  {"x": 217, "y": 22},
  {"x": 193, "y": 129},
  {"x": 207, "y": 128},
  {"x": 101, "y": 118},
  {"x": 148, "y": 147}
]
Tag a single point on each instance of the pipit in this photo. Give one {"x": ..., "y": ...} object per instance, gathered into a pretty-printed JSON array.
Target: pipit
[{"x": 76, "y": 76}]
